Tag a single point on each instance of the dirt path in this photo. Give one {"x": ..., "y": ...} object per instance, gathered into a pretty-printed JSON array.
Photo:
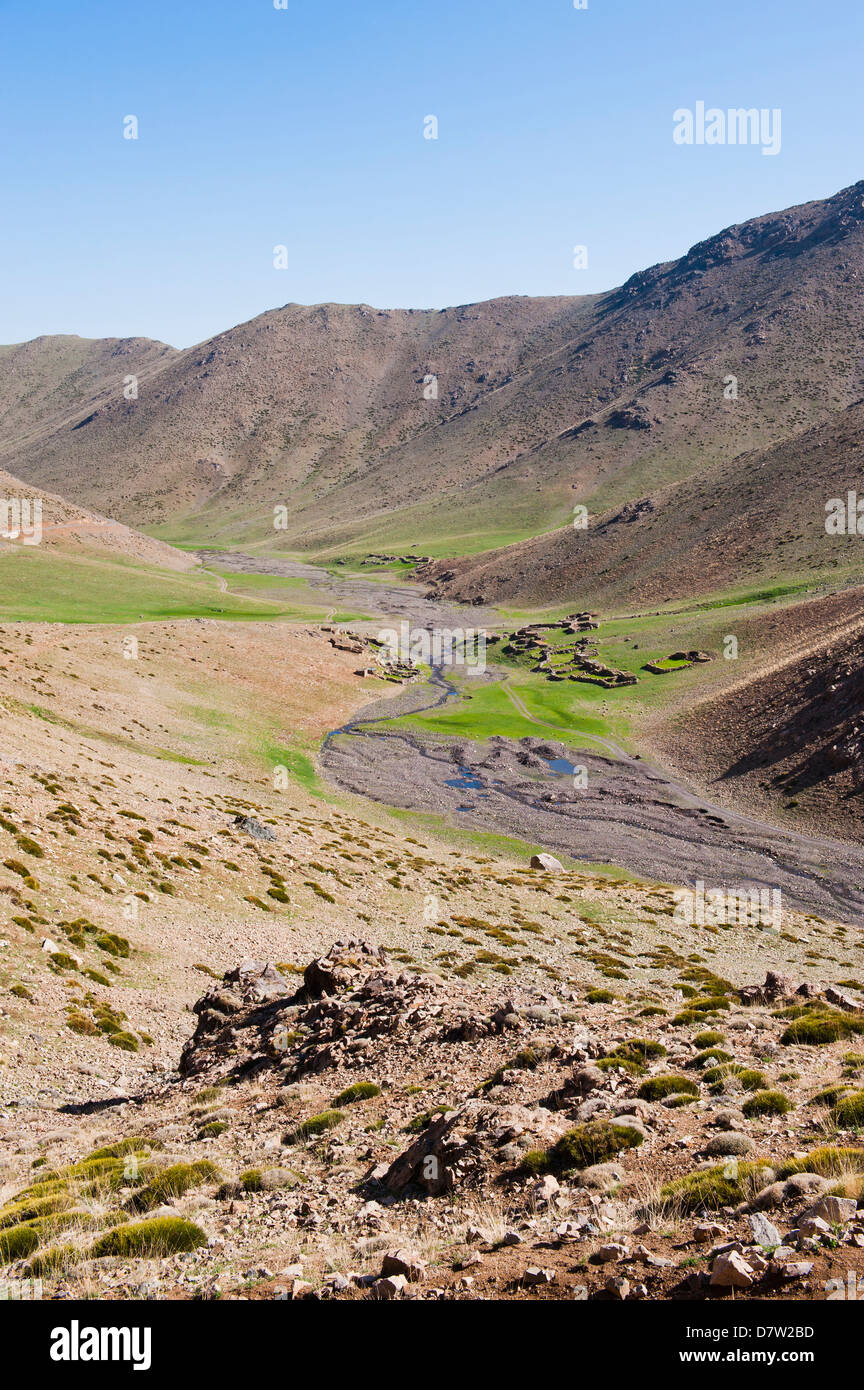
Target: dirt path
[{"x": 382, "y": 601}]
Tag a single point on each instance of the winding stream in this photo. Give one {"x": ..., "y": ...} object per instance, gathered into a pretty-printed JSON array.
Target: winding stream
[{"x": 628, "y": 813}]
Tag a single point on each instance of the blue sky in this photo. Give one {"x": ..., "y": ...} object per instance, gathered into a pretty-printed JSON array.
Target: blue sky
[{"x": 303, "y": 127}]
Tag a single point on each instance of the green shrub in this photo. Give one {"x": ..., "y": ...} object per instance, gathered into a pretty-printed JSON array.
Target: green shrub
[
  {"x": 53, "y": 1261},
  {"x": 61, "y": 960},
  {"x": 208, "y": 1093},
  {"x": 830, "y": 1095},
  {"x": 714, "y": 1055},
  {"x": 90, "y": 1168},
  {"x": 819, "y": 1026},
  {"x": 752, "y": 1080},
  {"x": 212, "y": 1130},
  {"x": 594, "y": 1142},
  {"x": 849, "y": 1112},
  {"x": 160, "y": 1236},
  {"x": 718, "y": 1076},
  {"x": 97, "y": 976},
  {"x": 80, "y": 1023},
  {"x": 711, "y": 984},
  {"x": 28, "y": 1208},
  {"x": 30, "y": 846},
  {"x": 599, "y": 996},
  {"x": 317, "y": 1124},
  {"x": 112, "y": 944},
  {"x": 134, "y": 1145},
  {"x": 829, "y": 1161},
  {"x": 173, "y": 1182},
  {"x": 16, "y": 1243},
  {"x": 766, "y": 1103},
  {"x": 708, "y": 1004},
  {"x": 614, "y": 1063},
  {"x": 638, "y": 1049},
  {"x": 65, "y": 1221},
  {"x": 710, "y": 1038},
  {"x": 658, "y": 1087},
  {"x": 361, "y": 1090},
  {"x": 48, "y": 1184},
  {"x": 725, "y": 1184}
]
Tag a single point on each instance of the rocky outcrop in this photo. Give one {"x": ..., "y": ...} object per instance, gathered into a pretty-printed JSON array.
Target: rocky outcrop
[
  {"x": 236, "y": 1020},
  {"x": 349, "y": 997}
]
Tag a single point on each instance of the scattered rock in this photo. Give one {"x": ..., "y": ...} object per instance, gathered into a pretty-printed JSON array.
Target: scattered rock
[
  {"x": 390, "y": 1287},
  {"x": 731, "y": 1271},
  {"x": 835, "y": 1210},
  {"x": 403, "y": 1262},
  {"x": 764, "y": 1233},
  {"x": 250, "y": 826},
  {"x": 609, "y": 1254},
  {"x": 544, "y": 1190},
  {"x": 548, "y": 862}
]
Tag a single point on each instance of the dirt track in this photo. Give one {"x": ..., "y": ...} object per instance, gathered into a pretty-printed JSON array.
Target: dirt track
[{"x": 380, "y": 599}]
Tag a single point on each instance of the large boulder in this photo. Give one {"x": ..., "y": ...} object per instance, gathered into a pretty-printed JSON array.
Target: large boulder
[
  {"x": 235, "y": 1019},
  {"x": 349, "y": 998},
  {"x": 250, "y": 826},
  {"x": 547, "y": 862}
]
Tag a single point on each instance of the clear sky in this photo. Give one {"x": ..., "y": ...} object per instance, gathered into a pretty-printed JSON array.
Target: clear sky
[{"x": 304, "y": 127}]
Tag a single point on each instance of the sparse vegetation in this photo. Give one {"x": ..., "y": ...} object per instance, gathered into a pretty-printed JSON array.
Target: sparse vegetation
[
  {"x": 658, "y": 1087},
  {"x": 766, "y": 1103},
  {"x": 360, "y": 1090},
  {"x": 157, "y": 1237}
]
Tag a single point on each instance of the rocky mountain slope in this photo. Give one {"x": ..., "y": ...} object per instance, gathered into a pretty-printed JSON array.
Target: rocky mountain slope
[
  {"x": 71, "y": 530},
  {"x": 599, "y": 400},
  {"x": 50, "y": 381},
  {"x": 788, "y": 741},
  {"x": 757, "y": 518}
]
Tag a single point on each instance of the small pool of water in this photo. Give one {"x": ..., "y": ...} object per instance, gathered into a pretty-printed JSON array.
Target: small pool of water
[
  {"x": 465, "y": 780},
  {"x": 562, "y": 765}
]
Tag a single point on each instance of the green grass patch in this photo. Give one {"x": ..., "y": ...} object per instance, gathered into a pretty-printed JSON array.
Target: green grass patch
[
  {"x": 594, "y": 1142},
  {"x": 659, "y": 1087},
  {"x": 766, "y": 1103},
  {"x": 361, "y": 1090},
  {"x": 725, "y": 1184},
  {"x": 158, "y": 1237}
]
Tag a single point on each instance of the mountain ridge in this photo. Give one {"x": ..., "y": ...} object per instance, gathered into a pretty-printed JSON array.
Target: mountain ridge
[{"x": 468, "y": 428}]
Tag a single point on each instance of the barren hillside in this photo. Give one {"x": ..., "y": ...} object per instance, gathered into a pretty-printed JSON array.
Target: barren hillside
[
  {"x": 757, "y": 518},
  {"x": 541, "y": 403}
]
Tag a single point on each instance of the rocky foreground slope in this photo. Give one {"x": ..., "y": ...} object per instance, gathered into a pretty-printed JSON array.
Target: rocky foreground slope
[
  {"x": 356, "y": 1130},
  {"x": 537, "y": 1082}
]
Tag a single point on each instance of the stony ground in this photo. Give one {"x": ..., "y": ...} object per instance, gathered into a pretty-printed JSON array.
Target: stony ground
[
  {"x": 628, "y": 813},
  {"x": 505, "y": 1082}
]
